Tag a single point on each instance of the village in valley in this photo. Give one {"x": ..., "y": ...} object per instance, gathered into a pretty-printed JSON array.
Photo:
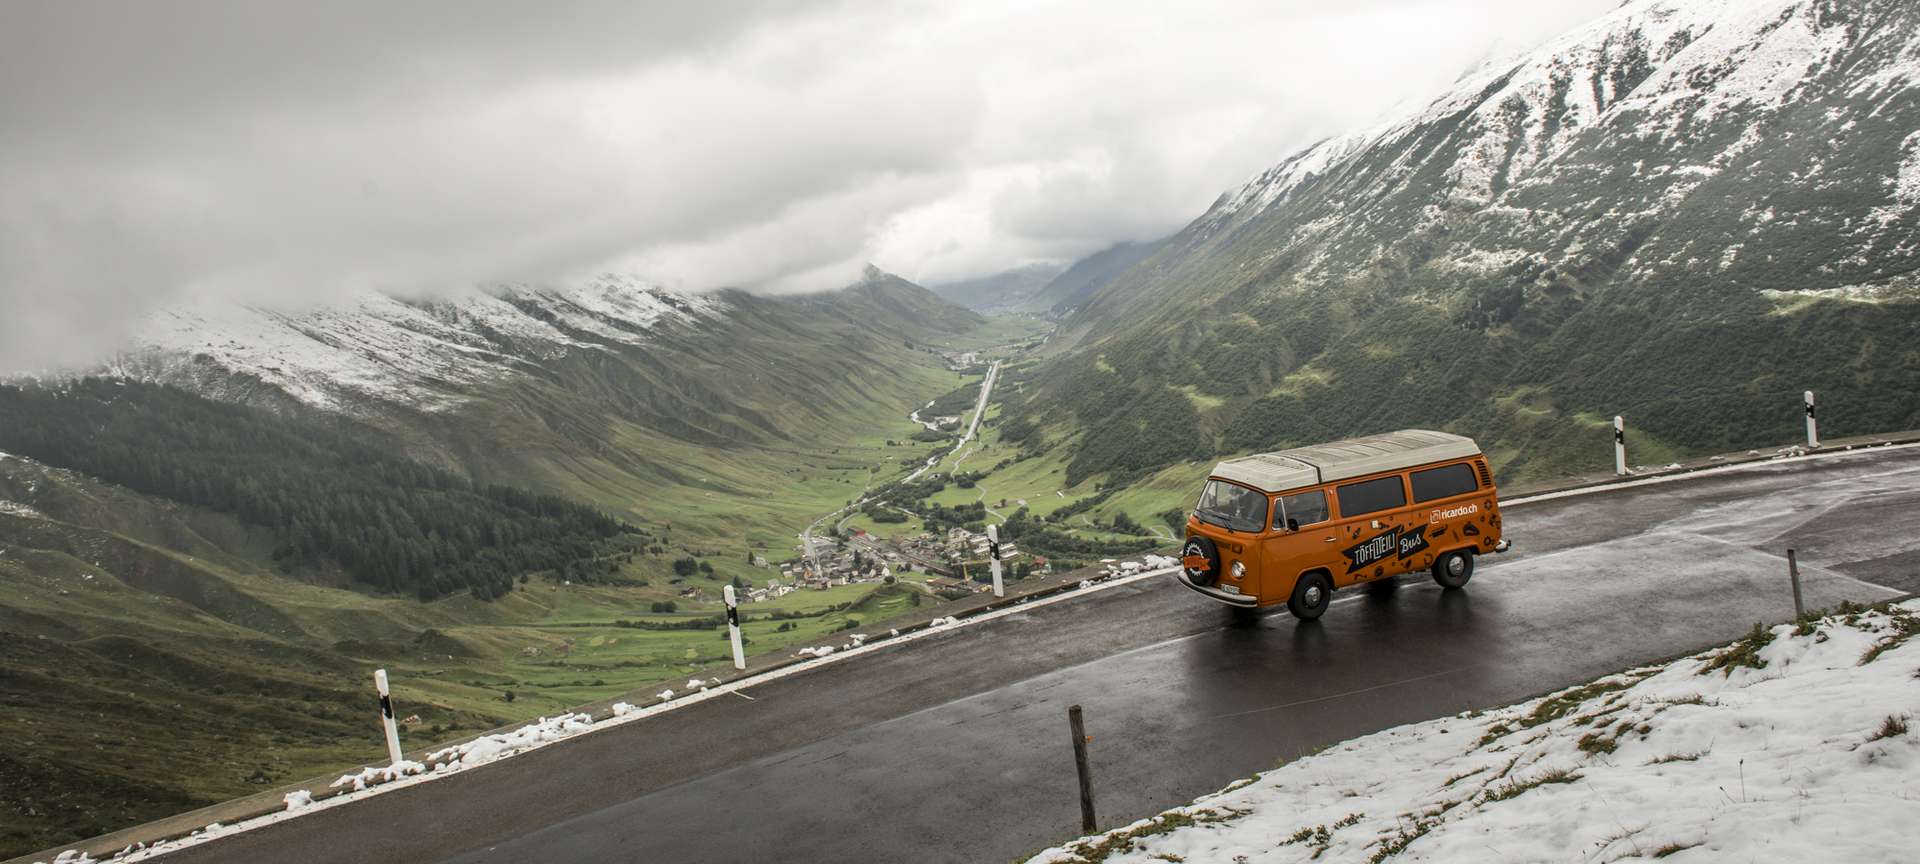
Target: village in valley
[
  {"x": 957, "y": 561},
  {"x": 954, "y": 562}
]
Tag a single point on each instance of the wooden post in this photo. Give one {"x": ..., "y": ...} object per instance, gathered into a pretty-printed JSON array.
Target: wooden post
[
  {"x": 1087, "y": 824},
  {"x": 1793, "y": 573}
]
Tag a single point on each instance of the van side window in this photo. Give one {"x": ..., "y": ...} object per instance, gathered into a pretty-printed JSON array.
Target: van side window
[
  {"x": 1372, "y": 496},
  {"x": 1299, "y": 511},
  {"x": 1445, "y": 482}
]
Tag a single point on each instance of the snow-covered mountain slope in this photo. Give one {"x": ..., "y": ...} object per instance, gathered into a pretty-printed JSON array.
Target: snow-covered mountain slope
[
  {"x": 380, "y": 349},
  {"x": 1667, "y": 65},
  {"x": 1685, "y": 211},
  {"x": 1583, "y": 150}
]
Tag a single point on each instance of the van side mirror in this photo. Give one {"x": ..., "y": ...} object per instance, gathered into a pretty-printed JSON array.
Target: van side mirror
[{"x": 1293, "y": 524}]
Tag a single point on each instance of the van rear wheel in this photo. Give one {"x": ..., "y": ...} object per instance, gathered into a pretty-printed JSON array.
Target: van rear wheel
[
  {"x": 1311, "y": 596},
  {"x": 1453, "y": 569}
]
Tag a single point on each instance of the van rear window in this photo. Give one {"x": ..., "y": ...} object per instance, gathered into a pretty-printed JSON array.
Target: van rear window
[
  {"x": 1445, "y": 482},
  {"x": 1372, "y": 496}
]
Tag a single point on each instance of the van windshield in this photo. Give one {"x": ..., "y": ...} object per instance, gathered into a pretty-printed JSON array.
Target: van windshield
[{"x": 1230, "y": 506}]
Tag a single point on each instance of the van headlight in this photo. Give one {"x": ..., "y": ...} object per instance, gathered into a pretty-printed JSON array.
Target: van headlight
[{"x": 1239, "y": 570}]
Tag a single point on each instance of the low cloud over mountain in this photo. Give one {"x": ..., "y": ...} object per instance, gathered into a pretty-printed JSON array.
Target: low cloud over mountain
[{"x": 153, "y": 151}]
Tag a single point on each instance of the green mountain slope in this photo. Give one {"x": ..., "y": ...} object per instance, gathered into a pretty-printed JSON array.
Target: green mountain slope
[
  {"x": 659, "y": 408},
  {"x": 1686, "y": 213},
  {"x": 333, "y": 500},
  {"x": 209, "y": 628},
  {"x": 1013, "y": 290},
  {"x": 148, "y": 666},
  {"x": 1078, "y": 283}
]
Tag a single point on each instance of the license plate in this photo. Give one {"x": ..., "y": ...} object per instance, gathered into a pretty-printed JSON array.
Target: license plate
[{"x": 1229, "y": 589}]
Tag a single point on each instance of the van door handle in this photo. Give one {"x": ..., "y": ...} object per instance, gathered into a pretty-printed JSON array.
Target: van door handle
[{"x": 1329, "y": 540}]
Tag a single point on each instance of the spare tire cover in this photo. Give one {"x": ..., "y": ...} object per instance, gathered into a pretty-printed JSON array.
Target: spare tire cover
[{"x": 1204, "y": 548}]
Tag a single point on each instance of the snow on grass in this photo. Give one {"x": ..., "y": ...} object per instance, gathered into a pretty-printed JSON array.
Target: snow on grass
[
  {"x": 373, "y": 776},
  {"x": 1906, "y": 183},
  {"x": 480, "y": 751},
  {"x": 15, "y": 508},
  {"x": 1789, "y": 745}
]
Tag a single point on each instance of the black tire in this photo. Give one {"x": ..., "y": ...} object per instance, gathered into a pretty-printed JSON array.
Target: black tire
[
  {"x": 1201, "y": 546},
  {"x": 1452, "y": 570},
  {"x": 1311, "y": 596}
]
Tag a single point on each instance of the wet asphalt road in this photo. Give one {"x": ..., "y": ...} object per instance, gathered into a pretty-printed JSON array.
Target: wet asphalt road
[{"x": 955, "y": 747}]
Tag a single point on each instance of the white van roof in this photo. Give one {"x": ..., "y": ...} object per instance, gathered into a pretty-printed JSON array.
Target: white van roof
[{"x": 1339, "y": 460}]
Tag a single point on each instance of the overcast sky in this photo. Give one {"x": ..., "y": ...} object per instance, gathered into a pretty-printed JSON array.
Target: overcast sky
[{"x": 155, "y": 152}]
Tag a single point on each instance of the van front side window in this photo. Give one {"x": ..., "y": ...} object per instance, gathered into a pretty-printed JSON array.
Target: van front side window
[
  {"x": 1372, "y": 496},
  {"x": 1299, "y": 511},
  {"x": 1231, "y": 506}
]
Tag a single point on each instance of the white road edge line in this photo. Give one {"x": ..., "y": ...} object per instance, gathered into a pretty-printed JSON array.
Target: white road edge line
[{"x": 904, "y": 638}]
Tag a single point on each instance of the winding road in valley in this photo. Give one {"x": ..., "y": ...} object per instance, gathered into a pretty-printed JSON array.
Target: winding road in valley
[
  {"x": 868, "y": 494},
  {"x": 954, "y": 747}
]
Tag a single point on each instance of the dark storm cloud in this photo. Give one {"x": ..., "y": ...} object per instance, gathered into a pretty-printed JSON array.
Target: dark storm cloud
[{"x": 153, "y": 152}]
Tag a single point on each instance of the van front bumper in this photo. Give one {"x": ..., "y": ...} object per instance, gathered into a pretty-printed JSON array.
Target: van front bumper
[{"x": 1240, "y": 600}]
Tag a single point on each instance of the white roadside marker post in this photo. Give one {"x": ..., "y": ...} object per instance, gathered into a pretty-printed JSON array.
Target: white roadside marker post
[
  {"x": 1813, "y": 425},
  {"x": 386, "y": 716},
  {"x": 733, "y": 627},
  {"x": 993, "y": 554},
  {"x": 1619, "y": 446}
]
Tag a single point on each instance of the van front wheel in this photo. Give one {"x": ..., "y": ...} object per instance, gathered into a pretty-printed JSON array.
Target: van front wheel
[
  {"x": 1311, "y": 596},
  {"x": 1453, "y": 570}
]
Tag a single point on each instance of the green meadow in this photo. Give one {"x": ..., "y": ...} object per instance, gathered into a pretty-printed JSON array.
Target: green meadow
[{"x": 154, "y": 658}]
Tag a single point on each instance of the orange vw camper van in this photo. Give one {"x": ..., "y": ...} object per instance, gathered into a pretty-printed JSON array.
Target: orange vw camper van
[{"x": 1292, "y": 527}]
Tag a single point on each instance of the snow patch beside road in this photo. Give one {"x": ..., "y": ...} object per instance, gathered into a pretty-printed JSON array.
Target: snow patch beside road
[
  {"x": 374, "y": 776},
  {"x": 1790, "y": 745},
  {"x": 480, "y": 751}
]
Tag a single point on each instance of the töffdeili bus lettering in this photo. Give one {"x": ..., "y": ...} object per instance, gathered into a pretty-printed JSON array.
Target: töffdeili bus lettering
[{"x": 1396, "y": 542}]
